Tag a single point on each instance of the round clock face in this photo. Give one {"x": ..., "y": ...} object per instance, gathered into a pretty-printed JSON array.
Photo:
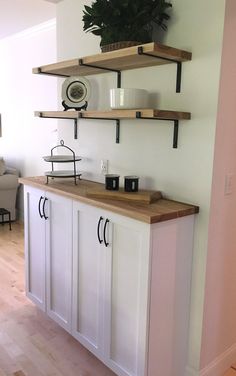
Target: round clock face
[{"x": 76, "y": 91}]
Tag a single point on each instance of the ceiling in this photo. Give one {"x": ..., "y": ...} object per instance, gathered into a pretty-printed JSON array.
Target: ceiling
[{"x": 18, "y": 15}]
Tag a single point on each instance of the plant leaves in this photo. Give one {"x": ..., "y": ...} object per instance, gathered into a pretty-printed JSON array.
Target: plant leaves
[{"x": 116, "y": 20}]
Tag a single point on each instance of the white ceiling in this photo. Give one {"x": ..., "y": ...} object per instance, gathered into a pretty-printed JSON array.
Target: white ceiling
[{"x": 18, "y": 15}]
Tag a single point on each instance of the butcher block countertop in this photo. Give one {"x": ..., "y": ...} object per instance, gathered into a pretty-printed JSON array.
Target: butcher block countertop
[{"x": 158, "y": 211}]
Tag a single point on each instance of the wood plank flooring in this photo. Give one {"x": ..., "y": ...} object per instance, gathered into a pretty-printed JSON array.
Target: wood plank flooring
[
  {"x": 230, "y": 372},
  {"x": 31, "y": 344}
]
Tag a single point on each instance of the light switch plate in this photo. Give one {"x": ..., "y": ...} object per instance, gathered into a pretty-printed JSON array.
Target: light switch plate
[{"x": 229, "y": 184}]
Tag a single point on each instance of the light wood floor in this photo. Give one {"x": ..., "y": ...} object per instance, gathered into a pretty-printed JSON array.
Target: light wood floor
[
  {"x": 231, "y": 371},
  {"x": 31, "y": 344}
]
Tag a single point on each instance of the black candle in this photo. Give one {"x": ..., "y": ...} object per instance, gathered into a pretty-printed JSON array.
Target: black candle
[
  {"x": 131, "y": 183},
  {"x": 112, "y": 182}
]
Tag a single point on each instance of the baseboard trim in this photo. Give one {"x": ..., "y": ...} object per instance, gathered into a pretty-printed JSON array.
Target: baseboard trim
[
  {"x": 191, "y": 372},
  {"x": 221, "y": 364}
]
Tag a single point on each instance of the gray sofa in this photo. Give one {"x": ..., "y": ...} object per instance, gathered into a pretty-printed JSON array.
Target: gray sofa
[{"x": 8, "y": 189}]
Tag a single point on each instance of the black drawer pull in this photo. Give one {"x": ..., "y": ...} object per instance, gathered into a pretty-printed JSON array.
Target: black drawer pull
[
  {"x": 98, "y": 230},
  {"x": 104, "y": 233},
  {"x": 45, "y": 217},
  {"x": 39, "y": 207}
]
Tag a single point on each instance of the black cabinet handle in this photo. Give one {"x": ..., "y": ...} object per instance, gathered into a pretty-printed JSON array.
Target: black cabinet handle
[
  {"x": 98, "y": 230},
  {"x": 39, "y": 207},
  {"x": 44, "y": 215},
  {"x": 104, "y": 233}
]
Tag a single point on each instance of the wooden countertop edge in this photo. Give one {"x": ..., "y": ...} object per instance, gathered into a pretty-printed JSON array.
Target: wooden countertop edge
[{"x": 134, "y": 211}]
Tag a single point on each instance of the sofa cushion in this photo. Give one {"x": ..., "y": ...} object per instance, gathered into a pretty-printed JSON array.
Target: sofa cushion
[
  {"x": 8, "y": 181},
  {"x": 2, "y": 166}
]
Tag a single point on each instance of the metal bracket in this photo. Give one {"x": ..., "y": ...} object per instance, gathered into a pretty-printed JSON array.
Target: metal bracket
[
  {"x": 75, "y": 129},
  {"x": 66, "y": 118},
  {"x": 179, "y": 66},
  {"x": 100, "y": 118},
  {"x": 117, "y": 131},
  {"x": 176, "y": 127},
  {"x": 176, "y": 133},
  {"x": 81, "y": 63},
  {"x": 52, "y": 74}
]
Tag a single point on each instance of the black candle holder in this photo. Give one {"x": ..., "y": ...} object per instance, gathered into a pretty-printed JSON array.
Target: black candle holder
[
  {"x": 131, "y": 183},
  {"x": 112, "y": 182}
]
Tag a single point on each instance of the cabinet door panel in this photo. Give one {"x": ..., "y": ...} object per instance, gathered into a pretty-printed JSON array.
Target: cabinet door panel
[
  {"x": 129, "y": 294},
  {"x": 34, "y": 247},
  {"x": 124, "y": 303},
  {"x": 59, "y": 259},
  {"x": 88, "y": 269}
]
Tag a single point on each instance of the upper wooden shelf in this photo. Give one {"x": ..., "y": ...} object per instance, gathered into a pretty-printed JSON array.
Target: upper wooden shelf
[
  {"x": 117, "y": 114},
  {"x": 119, "y": 60}
]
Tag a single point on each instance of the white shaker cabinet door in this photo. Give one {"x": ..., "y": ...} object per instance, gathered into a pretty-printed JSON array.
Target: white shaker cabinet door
[
  {"x": 35, "y": 240},
  {"x": 59, "y": 259},
  {"x": 48, "y": 245},
  {"x": 127, "y": 309},
  {"x": 111, "y": 261},
  {"x": 88, "y": 278}
]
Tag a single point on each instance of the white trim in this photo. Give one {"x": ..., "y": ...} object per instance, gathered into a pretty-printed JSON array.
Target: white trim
[
  {"x": 191, "y": 372},
  {"x": 218, "y": 366},
  {"x": 45, "y": 26},
  {"x": 20, "y": 215}
]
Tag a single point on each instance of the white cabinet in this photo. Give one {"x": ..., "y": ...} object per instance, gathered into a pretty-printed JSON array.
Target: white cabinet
[
  {"x": 132, "y": 290},
  {"x": 111, "y": 259},
  {"x": 126, "y": 295},
  {"x": 48, "y": 237}
]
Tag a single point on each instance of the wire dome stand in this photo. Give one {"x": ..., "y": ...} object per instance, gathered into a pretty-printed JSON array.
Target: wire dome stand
[{"x": 62, "y": 158}]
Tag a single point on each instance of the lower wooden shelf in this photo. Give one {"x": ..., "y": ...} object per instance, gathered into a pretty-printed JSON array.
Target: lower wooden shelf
[
  {"x": 117, "y": 115},
  {"x": 146, "y": 113}
]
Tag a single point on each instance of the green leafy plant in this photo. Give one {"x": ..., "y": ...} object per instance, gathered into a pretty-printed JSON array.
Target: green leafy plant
[{"x": 125, "y": 20}]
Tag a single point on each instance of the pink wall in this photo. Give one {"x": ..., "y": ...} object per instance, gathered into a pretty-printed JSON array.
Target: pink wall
[{"x": 219, "y": 321}]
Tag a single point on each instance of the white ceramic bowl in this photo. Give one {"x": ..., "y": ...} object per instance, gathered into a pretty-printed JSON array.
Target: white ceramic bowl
[{"x": 128, "y": 98}]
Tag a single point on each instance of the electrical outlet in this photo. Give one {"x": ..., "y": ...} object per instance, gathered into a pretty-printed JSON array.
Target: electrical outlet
[{"x": 104, "y": 166}]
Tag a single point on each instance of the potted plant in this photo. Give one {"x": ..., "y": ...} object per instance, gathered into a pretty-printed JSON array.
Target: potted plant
[{"x": 125, "y": 20}]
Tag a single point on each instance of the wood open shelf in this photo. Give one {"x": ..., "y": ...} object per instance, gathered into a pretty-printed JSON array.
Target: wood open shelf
[
  {"x": 119, "y": 60},
  {"x": 117, "y": 115},
  {"x": 144, "y": 55}
]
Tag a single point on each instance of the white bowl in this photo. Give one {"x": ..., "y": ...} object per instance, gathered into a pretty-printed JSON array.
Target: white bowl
[{"x": 128, "y": 98}]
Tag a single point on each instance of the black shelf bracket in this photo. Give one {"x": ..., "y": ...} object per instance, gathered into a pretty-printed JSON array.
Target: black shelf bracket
[
  {"x": 75, "y": 129},
  {"x": 52, "y": 74},
  {"x": 176, "y": 126},
  {"x": 179, "y": 66},
  {"x": 101, "y": 118},
  {"x": 66, "y": 118},
  {"x": 118, "y": 72},
  {"x": 117, "y": 131},
  {"x": 176, "y": 133}
]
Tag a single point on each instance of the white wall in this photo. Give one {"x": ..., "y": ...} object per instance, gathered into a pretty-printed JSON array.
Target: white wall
[
  {"x": 26, "y": 139},
  {"x": 145, "y": 149},
  {"x": 219, "y": 329},
  {"x": 19, "y": 15}
]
